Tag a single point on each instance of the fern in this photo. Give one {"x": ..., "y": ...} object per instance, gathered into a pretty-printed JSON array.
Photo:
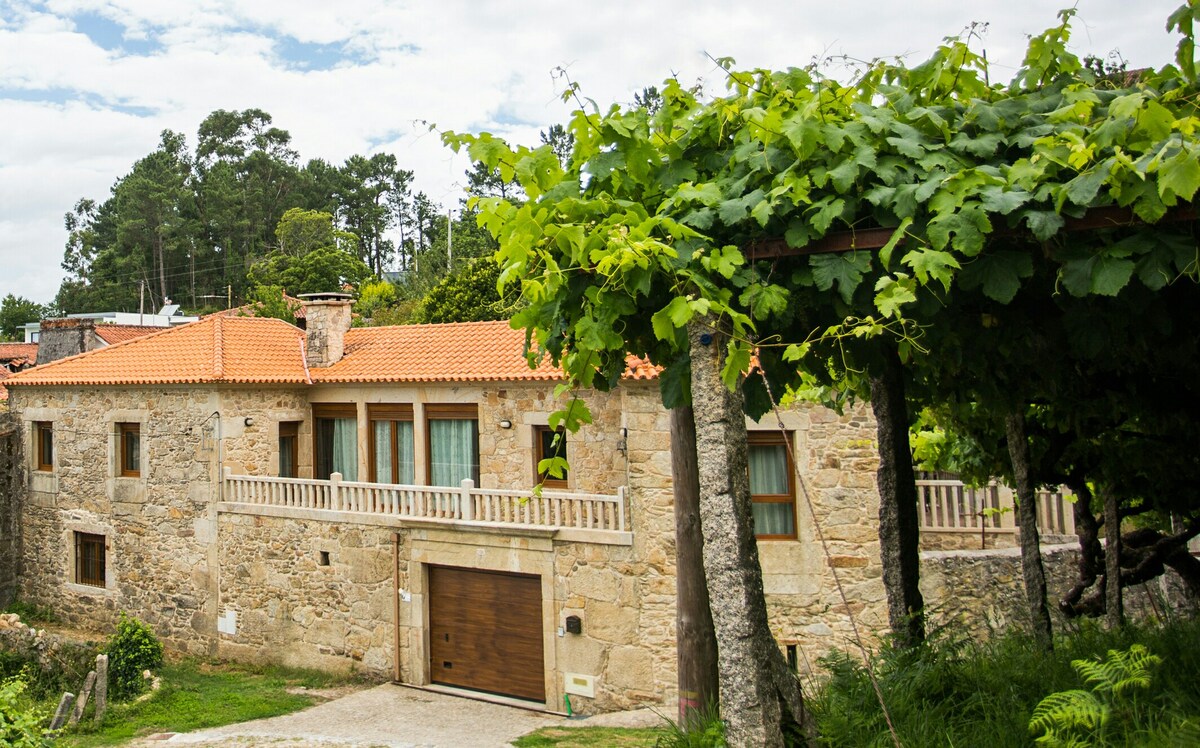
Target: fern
[
  {"x": 1070, "y": 719},
  {"x": 1060, "y": 714},
  {"x": 1122, "y": 672}
]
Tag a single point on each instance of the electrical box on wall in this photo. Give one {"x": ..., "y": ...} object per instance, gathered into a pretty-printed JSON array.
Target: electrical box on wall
[{"x": 580, "y": 685}]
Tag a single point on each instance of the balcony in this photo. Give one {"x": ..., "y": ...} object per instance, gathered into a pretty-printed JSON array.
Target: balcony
[
  {"x": 948, "y": 507},
  {"x": 569, "y": 516}
]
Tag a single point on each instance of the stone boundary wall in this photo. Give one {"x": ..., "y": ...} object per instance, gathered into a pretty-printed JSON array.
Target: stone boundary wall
[{"x": 982, "y": 592}]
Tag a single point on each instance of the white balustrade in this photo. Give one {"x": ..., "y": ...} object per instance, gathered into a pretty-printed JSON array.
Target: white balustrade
[
  {"x": 465, "y": 503},
  {"x": 949, "y": 505}
]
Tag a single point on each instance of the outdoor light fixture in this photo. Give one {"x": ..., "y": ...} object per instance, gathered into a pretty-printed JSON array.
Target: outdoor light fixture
[{"x": 506, "y": 424}]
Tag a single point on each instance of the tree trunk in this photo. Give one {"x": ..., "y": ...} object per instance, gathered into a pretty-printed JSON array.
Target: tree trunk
[
  {"x": 1090, "y": 552},
  {"x": 1031, "y": 547},
  {"x": 696, "y": 648},
  {"x": 760, "y": 696},
  {"x": 1114, "y": 609},
  {"x": 899, "y": 530}
]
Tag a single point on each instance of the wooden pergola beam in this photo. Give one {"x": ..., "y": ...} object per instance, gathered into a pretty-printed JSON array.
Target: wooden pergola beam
[{"x": 873, "y": 238}]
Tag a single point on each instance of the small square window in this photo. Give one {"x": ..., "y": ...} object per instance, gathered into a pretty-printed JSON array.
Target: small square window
[
  {"x": 90, "y": 559},
  {"x": 549, "y": 443},
  {"x": 129, "y": 434},
  {"x": 44, "y": 431}
]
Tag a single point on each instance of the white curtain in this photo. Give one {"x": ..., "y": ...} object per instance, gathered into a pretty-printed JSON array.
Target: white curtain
[
  {"x": 385, "y": 471},
  {"x": 453, "y": 451},
  {"x": 769, "y": 475}
]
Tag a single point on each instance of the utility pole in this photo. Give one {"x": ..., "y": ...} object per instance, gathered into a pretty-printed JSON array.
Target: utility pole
[
  {"x": 141, "y": 302},
  {"x": 449, "y": 245},
  {"x": 229, "y": 296}
]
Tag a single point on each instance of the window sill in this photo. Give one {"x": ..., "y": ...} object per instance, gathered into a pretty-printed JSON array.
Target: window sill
[{"x": 87, "y": 589}]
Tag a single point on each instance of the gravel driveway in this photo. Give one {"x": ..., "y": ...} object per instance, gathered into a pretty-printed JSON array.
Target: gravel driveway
[{"x": 397, "y": 717}]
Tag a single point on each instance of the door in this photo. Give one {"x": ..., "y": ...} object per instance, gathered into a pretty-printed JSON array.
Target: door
[{"x": 485, "y": 631}]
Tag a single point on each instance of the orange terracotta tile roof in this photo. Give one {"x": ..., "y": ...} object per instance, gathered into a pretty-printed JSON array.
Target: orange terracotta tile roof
[
  {"x": 261, "y": 350},
  {"x": 118, "y": 333},
  {"x": 454, "y": 352},
  {"x": 216, "y": 349},
  {"x": 18, "y": 353}
]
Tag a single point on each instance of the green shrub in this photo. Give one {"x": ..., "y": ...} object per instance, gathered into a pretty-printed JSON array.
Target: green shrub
[
  {"x": 20, "y": 721},
  {"x": 132, "y": 649}
]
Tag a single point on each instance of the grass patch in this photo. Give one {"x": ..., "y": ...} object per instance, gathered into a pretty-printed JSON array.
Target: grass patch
[
  {"x": 196, "y": 695},
  {"x": 588, "y": 737}
]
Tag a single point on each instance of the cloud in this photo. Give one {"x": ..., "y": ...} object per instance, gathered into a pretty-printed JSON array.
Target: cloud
[{"x": 87, "y": 85}]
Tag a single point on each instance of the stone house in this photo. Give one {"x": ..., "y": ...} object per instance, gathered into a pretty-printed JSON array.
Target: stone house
[{"x": 365, "y": 498}]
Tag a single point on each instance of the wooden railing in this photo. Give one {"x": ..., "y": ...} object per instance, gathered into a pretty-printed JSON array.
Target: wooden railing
[
  {"x": 949, "y": 505},
  {"x": 465, "y": 503}
]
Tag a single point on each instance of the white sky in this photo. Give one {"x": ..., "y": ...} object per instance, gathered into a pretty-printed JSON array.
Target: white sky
[{"x": 86, "y": 86}]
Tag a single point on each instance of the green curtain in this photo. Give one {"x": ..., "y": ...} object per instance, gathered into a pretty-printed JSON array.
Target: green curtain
[
  {"x": 345, "y": 448},
  {"x": 453, "y": 451},
  {"x": 337, "y": 448},
  {"x": 769, "y": 475},
  {"x": 404, "y": 447}
]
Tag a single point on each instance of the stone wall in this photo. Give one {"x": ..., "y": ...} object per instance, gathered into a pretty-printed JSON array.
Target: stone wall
[
  {"x": 157, "y": 526},
  {"x": 12, "y": 495},
  {"x": 982, "y": 592},
  {"x": 290, "y": 607},
  {"x": 836, "y": 456}
]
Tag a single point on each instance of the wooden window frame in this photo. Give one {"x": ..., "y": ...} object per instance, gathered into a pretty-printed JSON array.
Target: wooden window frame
[
  {"x": 85, "y": 540},
  {"x": 453, "y": 412},
  {"x": 124, "y": 432},
  {"x": 43, "y": 432},
  {"x": 773, "y": 439},
  {"x": 289, "y": 430},
  {"x": 539, "y": 454},
  {"x": 390, "y": 412},
  {"x": 328, "y": 410}
]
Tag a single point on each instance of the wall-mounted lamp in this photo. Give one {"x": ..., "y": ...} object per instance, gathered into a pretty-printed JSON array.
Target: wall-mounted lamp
[
  {"x": 506, "y": 424},
  {"x": 248, "y": 421}
]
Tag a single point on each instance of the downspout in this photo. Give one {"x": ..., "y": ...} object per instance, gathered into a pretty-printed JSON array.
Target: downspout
[{"x": 396, "y": 606}]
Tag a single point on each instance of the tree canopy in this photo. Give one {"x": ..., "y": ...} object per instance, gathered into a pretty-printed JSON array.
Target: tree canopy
[{"x": 1024, "y": 248}]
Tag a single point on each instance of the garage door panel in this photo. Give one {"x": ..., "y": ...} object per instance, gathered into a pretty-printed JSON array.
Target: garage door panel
[{"x": 486, "y": 631}]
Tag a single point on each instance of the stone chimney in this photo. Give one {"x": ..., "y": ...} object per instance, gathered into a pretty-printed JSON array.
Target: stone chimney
[
  {"x": 328, "y": 319},
  {"x": 59, "y": 338}
]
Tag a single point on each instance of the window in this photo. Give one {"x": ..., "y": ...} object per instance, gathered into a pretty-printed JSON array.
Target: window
[
  {"x": 289, "y": 452},
  {"x": 44, "y": 431},
  {"x": 335, "y": 440},
  {"x": 771, "y": 487},
  {"x": 130, "y": 437},
  {"x": 452, "y": 433},
  {"x": 391, "y": 439},
  {"x": 90, "y": 559},
  {"x": 545, "y": 447}
]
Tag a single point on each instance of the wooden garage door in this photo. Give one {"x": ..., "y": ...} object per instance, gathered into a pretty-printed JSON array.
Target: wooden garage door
[{"x": 485, "y": 631}]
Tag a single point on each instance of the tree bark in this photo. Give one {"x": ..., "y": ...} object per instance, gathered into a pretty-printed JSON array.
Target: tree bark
[
  {"x": 696, "y": 648},
  {"x": 760, "y": 696},
  {"x": 899, "y": 527},
  {"x": 1114, "y": 607},
  {"x": 1031, "y": 546}
]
